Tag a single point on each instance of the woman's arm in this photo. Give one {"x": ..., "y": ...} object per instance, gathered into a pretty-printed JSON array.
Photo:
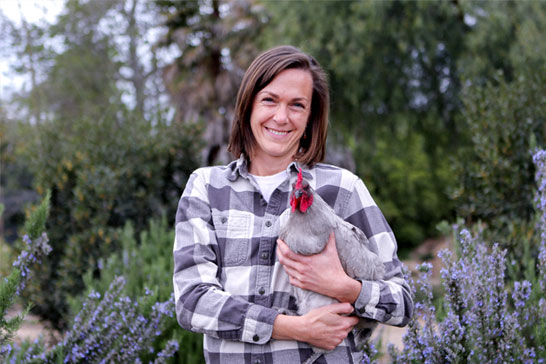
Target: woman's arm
[
  {"x": 325, "y": 327},
  {"x": 388, "y": 300},
  {"x": 202, "y": 305}
]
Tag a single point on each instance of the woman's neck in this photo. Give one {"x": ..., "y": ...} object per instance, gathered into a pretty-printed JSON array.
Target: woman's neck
[{"x": 269, "y": 167}]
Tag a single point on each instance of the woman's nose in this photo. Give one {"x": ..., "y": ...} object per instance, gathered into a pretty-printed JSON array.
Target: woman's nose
[{"x": 281, "y": 114}]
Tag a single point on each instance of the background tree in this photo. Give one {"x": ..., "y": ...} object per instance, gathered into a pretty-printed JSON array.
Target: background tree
[
  {"x": 395, "y": 94},
  {"x": 215, "y": 40},
  {"x": 106, "y": 159}
]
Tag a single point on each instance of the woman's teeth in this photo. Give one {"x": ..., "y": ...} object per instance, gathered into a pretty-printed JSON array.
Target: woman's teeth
[{"x": 277, "y": 132}]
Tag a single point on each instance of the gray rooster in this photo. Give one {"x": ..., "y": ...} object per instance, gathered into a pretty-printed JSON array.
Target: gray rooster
[{"x": 306, "y": 232}]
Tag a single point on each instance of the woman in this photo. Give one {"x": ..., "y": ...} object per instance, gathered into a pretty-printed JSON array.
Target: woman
[{"x": 232, "y": 277}]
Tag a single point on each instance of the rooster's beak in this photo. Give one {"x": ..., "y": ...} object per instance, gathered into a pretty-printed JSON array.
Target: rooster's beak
[{"x": 298, "y": 193}]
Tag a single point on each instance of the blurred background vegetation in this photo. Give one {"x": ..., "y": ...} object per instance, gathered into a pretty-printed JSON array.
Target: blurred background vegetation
[{"x": 435, "y": 105}]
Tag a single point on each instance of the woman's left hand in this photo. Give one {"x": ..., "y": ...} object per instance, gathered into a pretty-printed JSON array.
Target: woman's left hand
[{"x": 321, "y": 273}]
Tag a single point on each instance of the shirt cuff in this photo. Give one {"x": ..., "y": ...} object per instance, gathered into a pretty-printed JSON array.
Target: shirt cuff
[
  {"x": 366, "y": 303},
  {"x": 258, "y": 325}
]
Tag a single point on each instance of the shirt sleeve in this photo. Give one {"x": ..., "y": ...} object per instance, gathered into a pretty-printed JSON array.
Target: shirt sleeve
[
  {"x": 389, "y": 300},
  {"x": 202, "y": 305}
]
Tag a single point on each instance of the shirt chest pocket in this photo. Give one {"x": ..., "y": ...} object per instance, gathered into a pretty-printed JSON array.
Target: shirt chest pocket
[{"x": 233, "y": 234}]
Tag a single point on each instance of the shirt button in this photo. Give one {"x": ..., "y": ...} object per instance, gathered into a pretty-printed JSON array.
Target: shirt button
[
  {"x": 256, "y": 338},
  {"x": 224, "y": 219},
  {"x": 261, "y": 291},
  {"x": 268, "y": 223},
  {"x": 264, "y": 255},
  {"x": 362, "y": 309}
]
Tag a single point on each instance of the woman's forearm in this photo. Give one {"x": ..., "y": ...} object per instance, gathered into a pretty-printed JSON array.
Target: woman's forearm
[
  {"x": 348, "y": 291},
  {"x": 324, "y": 327},
  {"x": 287, "y": 328}
]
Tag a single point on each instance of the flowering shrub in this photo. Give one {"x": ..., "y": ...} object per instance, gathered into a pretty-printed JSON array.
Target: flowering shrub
[
  {"x": 12, "y": 285},
  {"x": 109, "y": 329},
  {"x": 102, "y": 172},
  {"x": 145, "y": 260},
  {"x": 35, "y": 246},
  {"x": 487, "y": 319},
  {"x": 32, "y": 254}
]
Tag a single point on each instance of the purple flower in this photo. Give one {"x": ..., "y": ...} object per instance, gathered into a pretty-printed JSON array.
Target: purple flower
[
  {"x": 33, "y": 252},
  {"x": 479, "y": 323}
]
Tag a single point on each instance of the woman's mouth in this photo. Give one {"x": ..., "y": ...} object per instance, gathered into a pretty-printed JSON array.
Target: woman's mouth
[{"x": 277, "y": 132}]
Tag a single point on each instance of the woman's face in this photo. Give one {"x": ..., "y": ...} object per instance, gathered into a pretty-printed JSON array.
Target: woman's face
[{"x": 280, "y": 112}]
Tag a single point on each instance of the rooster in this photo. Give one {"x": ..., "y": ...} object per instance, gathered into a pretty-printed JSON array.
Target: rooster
[{"x": 306, "y": 232}]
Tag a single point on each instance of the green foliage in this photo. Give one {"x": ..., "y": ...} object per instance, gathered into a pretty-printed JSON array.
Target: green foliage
[
  {"x": 522, "y": 238},
  {"x": 147, "y": 263},
  {"x": 504, "y": 118},
  {"x": 15, "y": 178},
  {"x": 380, "y": 56},
  {"x": 8, "y": 327},
  {"x": 506, "y": 37},
  {"x": 14, "y": 175},
  {"x": 406, "y": 185},
  {"x": 35, "y": 225},
  {"x": 505, "y": 122},
  {"x": 82, "y": 78},
  {"x": 11, "y": 285},
  {"x": 102, "y": 174}
]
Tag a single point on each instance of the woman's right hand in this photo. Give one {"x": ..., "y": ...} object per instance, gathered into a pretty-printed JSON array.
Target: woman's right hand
[{"x": 324, "y": 327}]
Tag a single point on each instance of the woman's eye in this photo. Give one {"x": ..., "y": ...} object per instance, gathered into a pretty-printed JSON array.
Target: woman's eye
[
  {"x": 267, "y": 99},
  {"x": 299, "y": 105}
]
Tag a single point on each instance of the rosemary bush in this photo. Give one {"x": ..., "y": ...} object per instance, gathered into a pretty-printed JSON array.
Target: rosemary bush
[
  {"x": 146, "y": 261},
  {"x": 488, "y": 318},
  {"x": 109, "y": 328},
  {"x": 35, "y": 246}
]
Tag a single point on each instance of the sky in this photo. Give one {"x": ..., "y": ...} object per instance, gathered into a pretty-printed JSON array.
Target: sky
[{"x": 32, "y": 11}]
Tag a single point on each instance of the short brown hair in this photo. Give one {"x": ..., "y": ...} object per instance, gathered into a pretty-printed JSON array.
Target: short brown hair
[{"x": 258, "y": 75}]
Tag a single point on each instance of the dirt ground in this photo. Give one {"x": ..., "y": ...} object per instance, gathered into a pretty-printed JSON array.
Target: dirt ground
[{"x": 33, "y": 328}]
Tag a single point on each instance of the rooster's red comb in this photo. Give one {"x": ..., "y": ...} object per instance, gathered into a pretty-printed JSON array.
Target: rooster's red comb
[{"x": 300, "y": 179}]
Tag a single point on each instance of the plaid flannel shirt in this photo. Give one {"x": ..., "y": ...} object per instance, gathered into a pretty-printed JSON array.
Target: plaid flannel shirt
[{"x": 228, "y": 283}]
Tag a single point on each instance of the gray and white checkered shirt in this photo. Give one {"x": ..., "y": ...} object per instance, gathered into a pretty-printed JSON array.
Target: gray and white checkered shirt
[{"x": 228, "y": 283}]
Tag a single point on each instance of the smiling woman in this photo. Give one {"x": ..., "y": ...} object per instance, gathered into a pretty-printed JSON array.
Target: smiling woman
[{"x": 228, "y": 280}]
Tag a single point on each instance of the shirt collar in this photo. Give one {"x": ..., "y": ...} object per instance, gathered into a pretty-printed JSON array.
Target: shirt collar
[{"x": 239, "y": 167}]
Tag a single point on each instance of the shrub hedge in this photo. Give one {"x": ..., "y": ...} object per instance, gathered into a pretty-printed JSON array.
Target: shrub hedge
[{"x": 102, "y": 173}]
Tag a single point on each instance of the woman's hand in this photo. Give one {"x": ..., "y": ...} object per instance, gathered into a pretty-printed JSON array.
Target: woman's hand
[
  {"x": 321, "y": 273},
  {"x": 324, "y": 327}
]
